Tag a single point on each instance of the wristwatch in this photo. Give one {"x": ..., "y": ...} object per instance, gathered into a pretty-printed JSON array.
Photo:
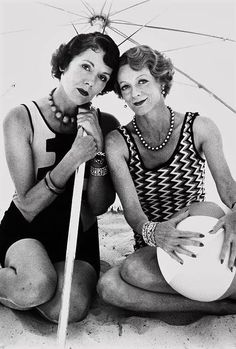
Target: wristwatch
[{"x": 100, "y": 158}]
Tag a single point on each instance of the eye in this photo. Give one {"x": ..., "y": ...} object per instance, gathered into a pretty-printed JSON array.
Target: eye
[
  {"x": 142, "y": 81},
  {"x": 124, "y": 87},
  {"x": 103, "y": 78},
  {"x": 86, "y": 67}
]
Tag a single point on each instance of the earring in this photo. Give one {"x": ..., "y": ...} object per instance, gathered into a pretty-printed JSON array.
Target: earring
[
  {"x": 163, "y": 92},
  {"x": 125, "y": 105}
]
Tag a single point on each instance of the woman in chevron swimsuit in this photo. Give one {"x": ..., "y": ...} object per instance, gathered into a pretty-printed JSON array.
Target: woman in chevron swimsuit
[
  {"x": 44, "y": 146},
  {"x": 157, "y": 162}
]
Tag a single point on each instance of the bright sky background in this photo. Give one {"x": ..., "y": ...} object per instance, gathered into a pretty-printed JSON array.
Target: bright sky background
[{"x": 30, "y": 31}]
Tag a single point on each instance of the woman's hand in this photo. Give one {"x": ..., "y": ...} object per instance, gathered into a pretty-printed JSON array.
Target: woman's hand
[
  {"x": 173, "y": 240},
  {"x": 228, "y": 223},
  {"x": 84, "y": 148},
  {"x": 89, "y": 121}
]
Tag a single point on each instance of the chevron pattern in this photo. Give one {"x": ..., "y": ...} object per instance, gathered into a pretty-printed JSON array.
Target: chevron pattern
[{"x": 173, "y": 186}]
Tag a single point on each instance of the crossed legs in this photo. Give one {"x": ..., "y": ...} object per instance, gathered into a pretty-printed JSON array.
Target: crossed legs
[{"x": 138, "y": 284}]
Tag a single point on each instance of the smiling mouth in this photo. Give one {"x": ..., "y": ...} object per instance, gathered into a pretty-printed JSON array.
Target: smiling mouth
[
  {"x": 83, "y": 92},
  {"x": 137, "y": 104}
]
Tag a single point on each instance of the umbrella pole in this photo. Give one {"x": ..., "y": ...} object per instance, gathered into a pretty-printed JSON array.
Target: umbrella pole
[{"x": 70, "y": 255}]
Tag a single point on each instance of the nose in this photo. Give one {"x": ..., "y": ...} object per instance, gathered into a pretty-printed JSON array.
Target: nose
[
  {"x": 89, "y": 82},
  {"x": 135, "y": 92}
]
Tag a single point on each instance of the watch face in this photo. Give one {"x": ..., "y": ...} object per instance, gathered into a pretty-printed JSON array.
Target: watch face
[{"x": 100, "y": 158}]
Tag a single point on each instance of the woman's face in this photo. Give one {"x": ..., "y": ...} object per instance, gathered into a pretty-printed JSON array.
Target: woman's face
[
  {"x": 86, "y": 76},
  {"x": 139, "y": 89}
]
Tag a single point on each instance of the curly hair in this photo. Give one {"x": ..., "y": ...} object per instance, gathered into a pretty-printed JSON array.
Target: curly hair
[
  {"x": 159, "y": 65},
  {"x": 62, "y": 57}
]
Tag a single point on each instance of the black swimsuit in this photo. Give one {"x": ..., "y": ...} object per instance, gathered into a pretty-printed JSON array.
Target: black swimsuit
[{"x": 51, "y": 225}]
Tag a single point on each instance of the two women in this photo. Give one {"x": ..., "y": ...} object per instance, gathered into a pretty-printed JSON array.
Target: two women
[
  {"x": 157, "y": 163},
  {"x": 44, "y": 145}
]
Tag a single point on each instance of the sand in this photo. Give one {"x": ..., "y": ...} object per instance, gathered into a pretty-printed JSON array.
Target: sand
[{"x": 108, "y": 327}]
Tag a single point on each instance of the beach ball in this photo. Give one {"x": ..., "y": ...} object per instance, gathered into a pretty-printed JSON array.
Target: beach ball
[{"x": 203, "y": 278}]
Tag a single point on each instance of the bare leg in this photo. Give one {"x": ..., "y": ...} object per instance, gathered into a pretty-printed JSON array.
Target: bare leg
[
  {"x": 28, "y": 277},
  {"x": 139, "y": 286},
  {"x": 83, "y": 287},
  {"x": 114, "y": 290}
]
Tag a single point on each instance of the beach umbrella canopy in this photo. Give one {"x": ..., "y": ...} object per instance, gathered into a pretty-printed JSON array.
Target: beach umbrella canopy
[{"x": 198, "y": 36}]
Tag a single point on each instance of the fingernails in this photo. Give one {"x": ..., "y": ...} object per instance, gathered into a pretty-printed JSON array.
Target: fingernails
[
  {"x": 193, "y": 255},
  {"x": 202, "y": 236},
  {"x": 211, "y": 231},
  {"x": 231, "y": 269},
  {"x": 181, "y": 262},
  {"x": 221, "y": 261},
  {"x": 201, "y": 244}
]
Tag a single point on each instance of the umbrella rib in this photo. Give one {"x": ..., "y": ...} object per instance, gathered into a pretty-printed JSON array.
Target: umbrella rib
[
  {"x": 122, "y": 34},
  {"x": 60, "y": 9},
  {"x": 176, "y": 30},
  {"x": 88, "y": 7},
  {"x": 104, "y": 4},
  {"x": 186, "y": 47},
  {"x": 127, "y": 8},
  {"x": 206, "y": 89},
  {"x": 136, "y": 31}
]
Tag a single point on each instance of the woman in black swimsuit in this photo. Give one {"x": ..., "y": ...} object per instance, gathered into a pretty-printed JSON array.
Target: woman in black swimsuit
[{"x": 44, "y": 145}]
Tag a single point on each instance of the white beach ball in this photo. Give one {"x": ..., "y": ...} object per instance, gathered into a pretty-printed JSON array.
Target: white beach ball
[{"x": 203, "y": 278}]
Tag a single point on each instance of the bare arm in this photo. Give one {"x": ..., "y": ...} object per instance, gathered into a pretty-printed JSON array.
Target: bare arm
[
  {"x": 213, "y": 150},
  {"x": 34, "y": 196},
  {"x": 117, "y": 155},
  {"x": 100, "y": 189},
  {"x": 226, "y": 185}
]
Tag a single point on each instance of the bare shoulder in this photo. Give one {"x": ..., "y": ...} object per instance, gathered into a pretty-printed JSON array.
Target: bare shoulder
[
  {"x": 204, "y": 127},
  {"x": 115, "y": 144},
  {"x": 17, "y": 122}
]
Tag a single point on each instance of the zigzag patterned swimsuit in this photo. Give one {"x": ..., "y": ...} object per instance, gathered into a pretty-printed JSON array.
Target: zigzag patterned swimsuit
[{"x": 173, "y": 185}]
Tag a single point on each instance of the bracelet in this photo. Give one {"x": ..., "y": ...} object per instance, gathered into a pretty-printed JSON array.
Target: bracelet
[
  {"x": 98, "y": 171},
  {"x": 51, "y": 186},
  {"x": 148, "y": 233},
  {"x": 100, "y": 158}
]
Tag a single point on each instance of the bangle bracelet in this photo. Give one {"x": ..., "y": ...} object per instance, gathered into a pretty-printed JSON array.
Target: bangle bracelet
[
  {"x": 148, "y": 233},
  {"x": 98, "y": 171},
  {"x": 51, "y": 186}
]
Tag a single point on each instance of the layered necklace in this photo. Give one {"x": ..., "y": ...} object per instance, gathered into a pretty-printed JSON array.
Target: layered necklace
[
  {"x": 66, "y": 119},
  {"x": 160, "y": 146}
]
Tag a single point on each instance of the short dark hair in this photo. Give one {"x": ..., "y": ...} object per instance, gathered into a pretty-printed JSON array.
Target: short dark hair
[
  {"x": 158, "y": 64},
  {"x": 62, "y": 57}
]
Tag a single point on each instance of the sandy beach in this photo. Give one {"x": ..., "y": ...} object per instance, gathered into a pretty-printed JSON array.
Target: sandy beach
[{"x": 107, "y": 327}]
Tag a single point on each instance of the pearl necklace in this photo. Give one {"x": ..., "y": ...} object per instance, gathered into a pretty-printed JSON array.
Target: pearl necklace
[
  {"x": 58, "y": 114},
  {"x": 149, "y": 147}
]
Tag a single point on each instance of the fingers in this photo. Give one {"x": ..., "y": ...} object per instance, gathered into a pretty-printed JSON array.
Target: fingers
[
  {"x": 232, "y": 256},
  {"x": 217, "y": 226},
  {"x": 185, "y": 251},
  {"x": 173, "y": 255}
]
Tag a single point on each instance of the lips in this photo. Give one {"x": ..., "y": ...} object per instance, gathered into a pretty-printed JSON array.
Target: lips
[
  {"x": 137, "y": 104},
  {"x": 83, "y": 92}
]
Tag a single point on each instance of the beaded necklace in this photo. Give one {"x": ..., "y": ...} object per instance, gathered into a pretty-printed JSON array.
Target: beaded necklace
[
  {"x": 59, "y": 115},
  {"x": 148, "y": 146}
]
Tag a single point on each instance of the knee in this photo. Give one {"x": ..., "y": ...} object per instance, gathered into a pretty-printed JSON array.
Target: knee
[
  {"x": 130, "y": 269},
  {"x": 36, "y": 290},
  {"x": 107, "y": 287}
]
